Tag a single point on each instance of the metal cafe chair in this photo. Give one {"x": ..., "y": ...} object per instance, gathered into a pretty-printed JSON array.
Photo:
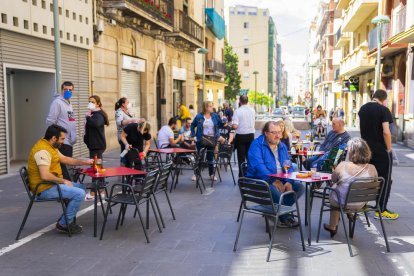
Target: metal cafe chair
[
  {"x": 362, "y": 189},
  {"x": 254, "y": 191},
  {"x": 33, "y": 198}
]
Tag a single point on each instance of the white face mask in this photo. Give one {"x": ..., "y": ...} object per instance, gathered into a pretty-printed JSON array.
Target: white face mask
[
  {"x": 91, "y": 106},
  {"x": 129, "y": 105}
]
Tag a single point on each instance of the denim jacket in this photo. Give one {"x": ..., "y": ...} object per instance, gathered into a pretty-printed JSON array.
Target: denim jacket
[
  {"x": 262, "y": 162},
  {"x": 198, "y": 123}
]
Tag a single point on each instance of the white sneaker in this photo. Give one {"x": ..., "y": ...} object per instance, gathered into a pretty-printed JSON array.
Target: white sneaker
[
  {"x": 213, "y": 178},
  {"x": 193, "y": 178},
  {"x": 89, "y": 197}
]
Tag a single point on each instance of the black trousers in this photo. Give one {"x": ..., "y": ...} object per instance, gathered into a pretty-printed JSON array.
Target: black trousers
[
  {"x": 242, "y": 144},
  {"x": 66, "y": 150},
  {"x": 383, "y": 163},
  {"x": 98, "y": 153}
]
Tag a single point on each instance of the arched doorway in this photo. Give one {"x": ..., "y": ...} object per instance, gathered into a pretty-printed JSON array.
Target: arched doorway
[{"x": 161, "y": 99}]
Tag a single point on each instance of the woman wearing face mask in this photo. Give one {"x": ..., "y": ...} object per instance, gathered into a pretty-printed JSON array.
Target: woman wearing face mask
[
  {"x": 94, "y": 137},
  {"x": 122, "y": 118}
]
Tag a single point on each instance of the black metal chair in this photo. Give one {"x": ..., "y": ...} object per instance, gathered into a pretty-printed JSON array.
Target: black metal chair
[
  {"x": 258, "y": 192},
  {"x": 33, "y": 198},
  {"x": 363, "y": 189},
  {"x": 162, "y": 186},
  {"x": 243, "y": 168},
  {"x": 129, "y": 196},
  {"x": 223, "y": 158}
]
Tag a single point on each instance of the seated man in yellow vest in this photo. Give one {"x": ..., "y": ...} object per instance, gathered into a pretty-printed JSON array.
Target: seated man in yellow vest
[{"x": 44, "y": 166}]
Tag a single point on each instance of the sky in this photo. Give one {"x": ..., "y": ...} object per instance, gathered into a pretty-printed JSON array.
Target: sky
[{"x": 292, "y": 19}]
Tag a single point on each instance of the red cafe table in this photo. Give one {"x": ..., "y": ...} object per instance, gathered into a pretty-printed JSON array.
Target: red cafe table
[
  {"x": 309, "y": 182},
  {"x": 100, "y": 177}
]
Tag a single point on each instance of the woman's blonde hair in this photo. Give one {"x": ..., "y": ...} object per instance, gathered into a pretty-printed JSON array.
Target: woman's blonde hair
[
  {"x": 205, "y": 106},
  {"x": 358, "y": 151},
  {"x": 289, "y": 125}
]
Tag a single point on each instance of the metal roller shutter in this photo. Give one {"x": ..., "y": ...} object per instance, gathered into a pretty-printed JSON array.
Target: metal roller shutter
[{"x": 131, "y": 88}]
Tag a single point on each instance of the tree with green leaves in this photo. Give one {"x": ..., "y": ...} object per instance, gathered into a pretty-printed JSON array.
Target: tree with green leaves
[{"x": 233, "y": 78}]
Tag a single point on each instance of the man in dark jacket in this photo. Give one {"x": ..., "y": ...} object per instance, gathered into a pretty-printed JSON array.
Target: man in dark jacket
[{"x": 266, "y": 156}]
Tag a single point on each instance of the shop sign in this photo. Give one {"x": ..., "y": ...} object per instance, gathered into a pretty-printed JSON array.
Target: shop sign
[
  {"x": 133, "y": 63},
  {"x": 179, "y": 73}
]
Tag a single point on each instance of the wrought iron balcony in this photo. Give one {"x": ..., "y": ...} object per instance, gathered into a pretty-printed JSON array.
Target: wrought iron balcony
[
  {"x": 187, "y": 30},
  {"x": 153, "y": 14},
  {"x": 399, "y": 20},
  {"x": 214, "y": 66}
]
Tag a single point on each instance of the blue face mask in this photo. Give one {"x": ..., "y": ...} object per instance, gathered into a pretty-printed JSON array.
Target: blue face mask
[{"x": 67, "y": 94}]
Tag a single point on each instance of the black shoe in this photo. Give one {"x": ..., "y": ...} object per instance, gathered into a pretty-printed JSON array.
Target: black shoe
[
  {"x": 289, "y": 222},
  {"x": 331, "y": 232},
  {"x": 74, "y": 228}
]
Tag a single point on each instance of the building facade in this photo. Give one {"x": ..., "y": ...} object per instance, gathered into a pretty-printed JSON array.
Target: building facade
[
  {"x": 27, "y": 71},
  {"x": 252, "y": 35},
  {"x": 146, "y": 51}
]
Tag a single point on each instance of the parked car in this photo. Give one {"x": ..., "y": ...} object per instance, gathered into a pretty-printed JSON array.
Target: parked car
[
  {"x": 298, "y": 111},
  {"x": 279, "y": 112},
  {"x": 285, "y": 108},
  {"x": 290, "y": 109}
]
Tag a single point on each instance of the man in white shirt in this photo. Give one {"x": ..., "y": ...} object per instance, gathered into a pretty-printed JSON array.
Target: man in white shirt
[
  {"x": 243, "y": 123},
  {"x": 166, "y": 135}
]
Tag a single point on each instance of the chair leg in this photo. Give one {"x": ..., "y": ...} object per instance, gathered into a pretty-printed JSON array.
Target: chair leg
[
  {"x": 159, "y": 210},
  {"x": 142, "y": 223},
  {"x": 123, "y": 214},
  {"x": 300, "y": 225},
  {"x": 320, "y": 222},
  {"x": 24, "y": 219},
  {"x": 351, "y": 234},
  {"x": 105, "y": 219},
  {"x": 155, "y": 214},
  {"x": 366, "y": 217},
  {"x": 147, "y": 214},
  {"x": 383, "y": 231},
  {"x": 119, "y": 216},
  {"x": 346, "y": 234},
  {"x": 238, "y": 215},
  {"x": 169, "y": 203},
  {"x": 267, "y": 227},
  {"x": 271, "y": 239},
  {"x": 238, "y": 232}
]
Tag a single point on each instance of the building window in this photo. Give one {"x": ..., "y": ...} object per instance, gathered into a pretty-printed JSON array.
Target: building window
[
  {"x": 74, "y": 16},
  {"x": 67, "y": 13},
  {"x": 245, "y": 75},
  {"x": 25, "y": 1},
  {"x": 87, "y": 41},
  {"x": 81, "y": 39},
  {"x": 61, "y": 34},
  {"x": 80, "y": 18},
  {"x": 34, "y": 2},
  {"x": 264, "y": 13},
  {"x": 35, "y": 27},
  {"x": 67, "y": 36},
  {"x": 60, "y": 11},
  {"x": 241, "y": 12},
  {"x": 52, "y": 31},
  {"x": 4, "y": 18},
  {"x": 15, "y": 21},
  {"x": 246, "y": 38},
  {"x": 86, "y": 20},
  {"x": 232, "y": 11},
  {"x": 246, "y": 25},
  {"x": 51, "y": 7},
  {"x": 44, "y": 29},
  {"x": 246, "y": 50},
  {"x": 75, "y": 38},
  {"x": 253, "y": 13},
  {"x": 43, "y": 4},
  {"x": 246, "y": 63},
  {"x": 26, "y": 24}
]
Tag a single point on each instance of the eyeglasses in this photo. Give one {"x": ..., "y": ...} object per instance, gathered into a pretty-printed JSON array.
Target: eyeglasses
[{"x": 275, "y": 132}]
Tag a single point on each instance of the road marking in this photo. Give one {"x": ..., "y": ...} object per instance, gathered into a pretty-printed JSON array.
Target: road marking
[
  {"x": 39, "y": 233},
  {"x": 411, "y": 155},
  {"x": 405, "y": 198},
  {"x": 208, "y": 191}
]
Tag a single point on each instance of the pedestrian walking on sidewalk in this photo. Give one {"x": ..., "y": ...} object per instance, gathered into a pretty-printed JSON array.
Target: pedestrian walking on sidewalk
[
  {"x": 243, "y": 123},
  {"x": 374, "y": 121},
  {"x": 61, "y": 114}
]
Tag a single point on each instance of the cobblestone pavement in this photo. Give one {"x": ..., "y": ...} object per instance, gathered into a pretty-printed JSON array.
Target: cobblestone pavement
[{"x": 200, "y": 241}]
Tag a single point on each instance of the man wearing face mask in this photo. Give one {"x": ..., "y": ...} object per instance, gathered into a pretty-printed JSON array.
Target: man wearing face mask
[
  {"x": 61, "y": 113},
  {"x": 44, "y": 166}
]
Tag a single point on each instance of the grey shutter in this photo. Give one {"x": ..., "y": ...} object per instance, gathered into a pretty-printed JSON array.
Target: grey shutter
[{"x": 131, "y": 88}]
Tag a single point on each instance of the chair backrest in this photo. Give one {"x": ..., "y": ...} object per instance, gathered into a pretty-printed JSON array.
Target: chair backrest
[
  {"x": 364, "y": 189},
  {"x": 225, "y": 150},
  {"x": 255, "y": 191},
  {"x": 164, "y": 174},
  {"x": 155, "y": 142},
  {"x": 149, "y": 182},
  {"x": 25, "y": 179},
  {"x": 243, "y": 168}
]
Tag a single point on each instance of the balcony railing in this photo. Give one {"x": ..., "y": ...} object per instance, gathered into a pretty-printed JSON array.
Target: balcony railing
[
  {"x": 214, "y": 66},
  {"x": 185, "y": 24},
  {"x": 338, "y": 35},
  {"x": 398, "y": 21},
  {"x": 357, "y": 62},
  {"x": 356, "y": 13},
  {"x": 372, "y": 36}
]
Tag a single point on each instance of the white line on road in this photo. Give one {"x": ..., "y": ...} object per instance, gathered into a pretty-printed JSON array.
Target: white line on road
[
  {"x": 37, "y": 234},
  {"x": 405, "y": 198}
]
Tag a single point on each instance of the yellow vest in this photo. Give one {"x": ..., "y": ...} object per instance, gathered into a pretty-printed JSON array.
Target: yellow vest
[
  {"x": 33, "y": 169},
  {"x": 184, "y": 112}
]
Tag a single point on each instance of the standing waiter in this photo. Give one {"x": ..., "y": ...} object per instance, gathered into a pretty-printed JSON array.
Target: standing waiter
[
  {"x": 374, "y": 122},
  {"x": 243, "y": 123}
]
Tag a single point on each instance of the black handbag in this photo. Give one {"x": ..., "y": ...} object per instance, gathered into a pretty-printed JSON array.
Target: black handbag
[{"x": 208, "y": 141}]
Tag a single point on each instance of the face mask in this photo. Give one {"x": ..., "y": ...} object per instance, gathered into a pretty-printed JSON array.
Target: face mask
[
  {"x": 67, "y": 94},
  {"x": 129, "y": 106},
  {"x": 91, "y": 106}
]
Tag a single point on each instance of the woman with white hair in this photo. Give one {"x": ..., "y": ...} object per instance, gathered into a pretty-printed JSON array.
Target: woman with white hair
[{"x": 358, "y": 165}]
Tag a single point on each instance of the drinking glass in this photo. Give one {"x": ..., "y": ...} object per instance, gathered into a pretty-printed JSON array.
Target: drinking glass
[
  {"x": 98, "y": 165},
  {"x": 286, "y": 165}
]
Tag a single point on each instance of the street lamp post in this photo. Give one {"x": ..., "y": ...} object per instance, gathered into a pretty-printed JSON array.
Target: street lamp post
[
  {"x": 379, "y": 21},
  {"x": 255, "y": 89},
  {"x": 311, "y": 105},
  {"x": 203, "y": 51}
]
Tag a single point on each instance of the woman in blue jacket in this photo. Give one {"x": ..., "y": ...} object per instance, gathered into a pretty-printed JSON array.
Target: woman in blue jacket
[{"x": 207, "y": 123}]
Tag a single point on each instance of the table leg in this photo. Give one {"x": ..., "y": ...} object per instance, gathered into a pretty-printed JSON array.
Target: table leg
[{"x": 95, "y": 208}]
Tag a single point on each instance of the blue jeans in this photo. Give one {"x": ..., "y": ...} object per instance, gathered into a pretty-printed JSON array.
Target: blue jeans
[
  {"x": 288, "y": 200},
  {"x": 75, "y": 195},
  {"x": 210, "y": 157}
]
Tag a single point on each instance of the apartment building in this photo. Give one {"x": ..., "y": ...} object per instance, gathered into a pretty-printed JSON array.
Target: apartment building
[
  {"x": 253, "y": 36},
  {"x": 214, "y": 58},
  {"x": 27, "y": 70},
  {"x": 145, "y": 50}
]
